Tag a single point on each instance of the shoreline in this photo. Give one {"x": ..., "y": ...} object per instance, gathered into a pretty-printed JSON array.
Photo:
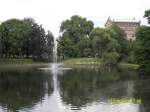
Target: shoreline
[
  {"x": 96, "y": 62},
  {"x": 67, "y": 62}
]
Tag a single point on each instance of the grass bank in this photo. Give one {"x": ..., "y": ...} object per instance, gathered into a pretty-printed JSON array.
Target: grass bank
[
  {"x": 76, "y": 61},
  {"x": 128, "y": 65},
  {"x": 95, "y": 61},
  {"x": 19, "y": 61}
]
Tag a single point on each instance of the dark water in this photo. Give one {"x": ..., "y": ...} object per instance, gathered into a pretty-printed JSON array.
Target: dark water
[{"x": 80, "y": 89}]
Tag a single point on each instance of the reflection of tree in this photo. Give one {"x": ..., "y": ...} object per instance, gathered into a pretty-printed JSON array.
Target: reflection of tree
[
  {"x": 143, "y": 92},
  {"x": 81, "y": 86},
  {"x": 22, "y": 88}
]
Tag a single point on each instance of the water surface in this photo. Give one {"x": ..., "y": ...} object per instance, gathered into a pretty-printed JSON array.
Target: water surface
[{"x": 81, "y": 89}]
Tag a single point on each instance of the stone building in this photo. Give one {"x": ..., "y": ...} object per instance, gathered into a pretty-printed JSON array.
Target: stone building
[{"x": 129, "y": 27}]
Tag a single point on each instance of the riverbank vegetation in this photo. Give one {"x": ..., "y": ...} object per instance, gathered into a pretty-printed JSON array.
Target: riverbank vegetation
[
  {"x": 96, "y": 61},
  {"x": 80, "y": 61},
  {"x": 142, "y": 47},
  {"x": 10, "y": 61},
  {"x": 23, "y": 39},
  {"x": 79, "y": 39},
  {"x": 20, "y": 39}
]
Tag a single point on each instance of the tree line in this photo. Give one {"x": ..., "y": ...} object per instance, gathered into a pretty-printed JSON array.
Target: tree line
[
  {"x": 79, "y": 38},
  {"x": 142, "y": 46},
  {"x": 24, "y": 39}
]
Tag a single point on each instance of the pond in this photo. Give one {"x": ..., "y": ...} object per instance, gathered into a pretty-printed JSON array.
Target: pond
[{"x": 80, "y": 89}]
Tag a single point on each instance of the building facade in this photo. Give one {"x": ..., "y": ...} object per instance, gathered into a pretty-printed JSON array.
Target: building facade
[{"x": 129, "y": 27}]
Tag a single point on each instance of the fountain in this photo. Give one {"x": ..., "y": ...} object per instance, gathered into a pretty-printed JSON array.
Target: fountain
[
  {"x": 55, "y": 51},
  {"x": 58, "y": 105},
  {"x": 55, "y": 69}
]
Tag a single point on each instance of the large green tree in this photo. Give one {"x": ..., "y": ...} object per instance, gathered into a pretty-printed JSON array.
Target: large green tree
[
  {"x": 102, "y": 41},
  {"x": 119, "y": 35},
  {"x": 104, "y": 45},
  {"x": 12, "y": 31},
  {"x": 24, "y": 38},
  {"x": 49, "y": 44},
  {"x": 147, "y": 15},
  {"x": 141, "y": 47},
  {"x": 75, "y": 31}
]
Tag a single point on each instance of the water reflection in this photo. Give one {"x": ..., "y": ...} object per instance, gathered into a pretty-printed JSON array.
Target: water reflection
[
  {"x": 80, "y": 86},
  {"x": 73, "y": 90},
  {"x": 23, "y": 88},
  {"x": 143, "y": 92}
]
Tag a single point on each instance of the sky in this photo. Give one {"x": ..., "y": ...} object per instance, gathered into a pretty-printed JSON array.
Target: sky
[{"x": 50, "y": 13}]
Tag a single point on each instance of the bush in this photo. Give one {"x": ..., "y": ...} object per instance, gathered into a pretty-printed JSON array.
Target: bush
[{"x": 109, "y": 59}]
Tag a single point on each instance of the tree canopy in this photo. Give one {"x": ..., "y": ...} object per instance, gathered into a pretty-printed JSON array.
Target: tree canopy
[
  {"x": 74, "y": 39},
  {"x": 79, "y": 38},
  {"x": 109, "y": 43},
  {"x": 23, "y": 38},
  {"x": 141, "y": 47},
  {"x": 147, "y": 15}
]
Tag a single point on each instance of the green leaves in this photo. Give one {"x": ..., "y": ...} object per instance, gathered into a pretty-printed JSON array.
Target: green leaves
[
  {"x": 107, "y": 42},
  {"x": 110, "y": 58},
  {"x": 142, "y": 49},
  {"x": 80, "y": 39},
  {"x": 23, "y": 38},
  {"x": 75, "y": 36},
  {"x": 147, "y": 15}
]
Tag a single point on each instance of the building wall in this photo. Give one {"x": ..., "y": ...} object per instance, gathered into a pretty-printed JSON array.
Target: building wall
[{"x": 128, "y": 27}]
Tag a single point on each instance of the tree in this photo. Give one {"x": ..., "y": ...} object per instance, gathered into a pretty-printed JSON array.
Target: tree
[
  {"x": 84, "y": 46},
  {"x": 12, "y": 33},
  {"x": 109, "y": 41},
  {"x": 75, "y": 32},
  {"x": 66, "y": 48},
  {"x": 50, "y": 44},
  {"x": 24, "y": 38},
  {"x": 99, "y": 41},
  {"x": 110, "y": 58},
  {"x": 147, "y": 15},
  {"x": 119, "y": 35},
  {"x": 102, "y": 41},
  {"x": 142, "y": 49}
]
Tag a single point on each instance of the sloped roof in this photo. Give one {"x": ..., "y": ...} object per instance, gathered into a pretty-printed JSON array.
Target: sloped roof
[
  {"x": 122, "y": 20},
  {"x": 126, "y": 20}
]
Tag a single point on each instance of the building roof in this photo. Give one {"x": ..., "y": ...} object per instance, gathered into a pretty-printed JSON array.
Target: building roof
[
  {"x": 122, "y": 20},
  {"x": 126, "y": 20}
]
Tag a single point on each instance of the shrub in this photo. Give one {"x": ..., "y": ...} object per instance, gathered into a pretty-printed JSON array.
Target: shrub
[{"x": 109, "y": 59}]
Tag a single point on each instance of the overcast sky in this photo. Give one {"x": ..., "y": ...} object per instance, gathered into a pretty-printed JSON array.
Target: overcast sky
[{"x": 50, "y": 13}]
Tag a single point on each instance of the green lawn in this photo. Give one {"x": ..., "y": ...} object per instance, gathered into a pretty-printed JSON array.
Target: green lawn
[
  {"x": 73, "y": 61},
  {"x": 95, "y": 61},
  {"x": 128, "y": 65},
  {"x": 18, "y": 61}
]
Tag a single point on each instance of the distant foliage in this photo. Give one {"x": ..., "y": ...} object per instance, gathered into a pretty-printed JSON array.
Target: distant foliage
[
  {"x": 74, "y": 40},
  {"x": 110, "y": 58},
  {"x": 79, "y": 38},
  {"x": 147, "y": 15},
  {"x": 109, "y": 41},
  {"x": 24, "y": 39},
  {"x": 142, "y": 49}
]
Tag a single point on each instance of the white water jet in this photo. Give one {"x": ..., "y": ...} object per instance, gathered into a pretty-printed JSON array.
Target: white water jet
[
  {"x": 55, "y": 51},
  {"x": 54, "y": 66}
]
